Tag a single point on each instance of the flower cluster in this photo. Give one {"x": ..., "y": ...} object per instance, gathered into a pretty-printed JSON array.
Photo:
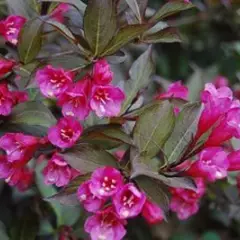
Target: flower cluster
[
  {"x": 93, "y": 92},
  {"x": 127, "y": 201},
  {"x": 219, "y": 121}
]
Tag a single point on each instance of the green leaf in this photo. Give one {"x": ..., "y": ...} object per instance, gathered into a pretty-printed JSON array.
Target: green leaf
[
  {"x": 133, "y": 4},
  {"x": 106, "y": 136},
  {"x": 3, "y": 234},
  {"x": 72, "y": 61},
  {"x": 177, "y": 102},
  {"x": 81, "y": 6},
  {"x": 87, "y": 158},
  {"x": 139, "y": 168},
  {"x": 30, "y": 40},
  {"x": 123, "y": 36},
  {"x": 171, "y": 8},
  {"x": 66, "y": 215},
  {"x": 100, "y": 24},
  {"x": 155, "y": 191},
  {"x": 156, "y": 28},
  {"x": 211, "y": 236},
  {"x": 168, "y": 35},
  {"x": 19, "y": 7},
  {"x": 66, "y": 32},
  {"x": 32, "y": 113},
  {"x": 153, "y": 128},
  {"x": 67, "y": 195},
  {"x": 26, "y": 227},
  {"x": 140, "y": 74},
  {"x": 183, "y": 133}
]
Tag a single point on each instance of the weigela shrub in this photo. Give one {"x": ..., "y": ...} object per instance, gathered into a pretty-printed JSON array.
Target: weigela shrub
[{"x": 71, "y": 124}]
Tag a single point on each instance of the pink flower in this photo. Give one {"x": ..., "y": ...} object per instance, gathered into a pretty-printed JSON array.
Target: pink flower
[
  {"x": 6, "y": 66},
  {"x": 6, "y": 101},
  {"x": 183, "y": 209},
  {"x": 5, "y": 167},
  {"x": 74, "y": 102},
  {"x": 89, "y": 201},
  {"x": 228, "y": 127},
  {"x": 65, "y": 133},
  {"x": 212, "y": 164},
  {"x": 129, "y": 201},
  {"x": 190, "y": 195},
  {"x": 18, "y": 147},
  {"x": 175, "y": 90},
  {"x": 53, "y": 81},
  {"x": 105, "y": 225},
  {"x": 11, "y": 27},
  {"x": 102, "y": 74},
  {"x": 19, "y": 97},
  {"x": 58, "y": 171},
  {"x": 152, "y": 212},
  {"x": 119, "y": 154},
  {"x": 217, "y": 102},
  {"x": 58, "y": 13},
  {"x": 106, "y": 100},
  {"x": 234, "y": 161},
  {"x": 9, "y": 99},
  {"x": 220, "y": 81},
  {"x": 22, "y": 178},
  {"x": 105, "y": 182}
]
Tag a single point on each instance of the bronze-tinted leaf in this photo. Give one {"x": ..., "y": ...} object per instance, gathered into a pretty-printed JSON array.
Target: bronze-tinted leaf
[
  {"x": 30, "y": 40},
  {"x": 170, "y": 8},
  {"x": 153, "y": 128},
  {"x": 140, "y": 74},
  {"x": 123, "y": 36},
  {"x": 155, "y": 191},
  {"x": 107, "y": 136},
  {"x": 87, "y": 158},
  {"x": 183, "y": 133},
  {"x": 100, "y": 24},
  {"x": 168, "y": 35}
]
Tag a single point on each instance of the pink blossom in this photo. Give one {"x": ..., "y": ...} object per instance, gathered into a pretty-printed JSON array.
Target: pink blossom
[
  {"x": 228, "y": 127},
  {"x": 11, "y": 27},
  {"x": 106, "y": 100},
  {"x": 9, "y": 99},
  {"x": 5, "y": 167},
  {"x": 234, "y": 161},
  {"x": 18, "y": 147},
  {"x": 6, "y": 66},
  {"x": 152, "y": 212},
  {"x": 119, "y": 154},
  {"x": 105, "y": 182},
  {"x": 58, "y": 171},
  {"x": 190, "y": 195},
  {"x": 212, "y": 164},
  {"x": 89, "y": 201},
  {"x": 19, "y": 97},
  {"x": 105, "y": 225},
  {"x": 220, "y": 81},
  {"x": 53, "y": 81},
  {"x": 175, "y": 90},
  {"x": 22, "y": 178},
  {"x": 102, "y": 74},
  {"x": 74, "y": 101},
  {"x": 129, "y": 201},
  {"x": 217, "y": 102},
  {"x": 183, "y": 208},
  {"x": 65, "y": 133},
  {"x": 6, "y": 101},
  {"x": 58, "y": 13}
]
